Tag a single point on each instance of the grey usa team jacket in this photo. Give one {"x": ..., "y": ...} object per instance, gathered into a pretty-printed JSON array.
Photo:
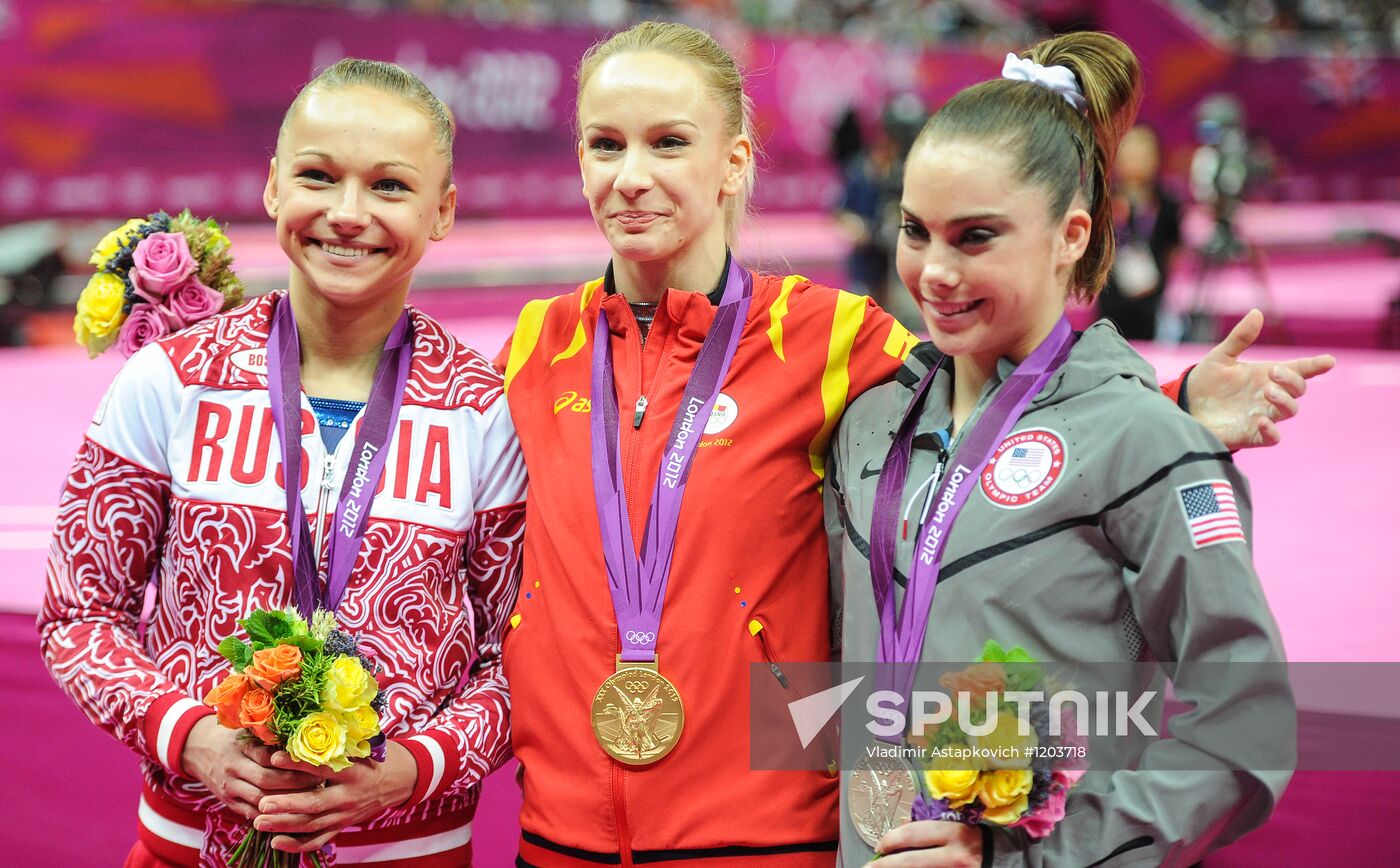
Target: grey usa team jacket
[{"x": 1101, "y": 532}]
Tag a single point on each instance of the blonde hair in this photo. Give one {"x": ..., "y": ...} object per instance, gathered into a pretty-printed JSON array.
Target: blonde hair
[
  {"x": 720, "y": 74},
  {"x": 391, "y": 79},
  {"x": 1051, "y": 144}
]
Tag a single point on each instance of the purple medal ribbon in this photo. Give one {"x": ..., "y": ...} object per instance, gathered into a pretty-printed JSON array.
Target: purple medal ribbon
[
  {"x": 638, "y": 585},
  {"x": 902, "y": 635},
  {"x": 357, "y": 491}
]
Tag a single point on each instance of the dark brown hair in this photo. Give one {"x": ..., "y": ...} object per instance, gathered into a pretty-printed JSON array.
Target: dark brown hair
[{"x": 1053, "y": 145}]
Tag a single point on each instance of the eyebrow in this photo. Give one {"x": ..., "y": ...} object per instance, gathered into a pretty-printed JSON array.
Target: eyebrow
[
  {"x": 674, "y": 122},
  {"x": 382, "y": 164},
  {"x": 975, "y": 217}
]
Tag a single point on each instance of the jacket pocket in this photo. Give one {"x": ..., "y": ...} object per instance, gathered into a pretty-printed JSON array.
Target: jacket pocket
[{"x": 759, "y": 630}]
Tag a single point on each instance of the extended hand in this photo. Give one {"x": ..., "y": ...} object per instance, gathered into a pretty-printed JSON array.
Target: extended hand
[
  {"x": 1242, "y": 402},
  {"x": 238, "y": 772},
  {"x": 931, "y": 844},
  {"x": 358, "y": 793}
]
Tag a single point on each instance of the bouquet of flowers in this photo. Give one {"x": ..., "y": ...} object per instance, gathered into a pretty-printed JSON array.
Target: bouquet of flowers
[
  {"x": 155, "y": 275},
  {"x": 306, "y": 688},
  {"x": 1015, "y": 775}
]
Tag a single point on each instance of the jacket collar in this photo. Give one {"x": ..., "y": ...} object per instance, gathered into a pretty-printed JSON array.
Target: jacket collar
[{"x": 715, "y": 295}]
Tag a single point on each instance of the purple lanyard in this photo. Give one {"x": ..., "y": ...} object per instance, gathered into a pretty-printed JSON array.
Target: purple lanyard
[
  {"x": 357, "y": 491},
  {"x": 902, "y": 636},
  {"x": 638, "y": 585}
]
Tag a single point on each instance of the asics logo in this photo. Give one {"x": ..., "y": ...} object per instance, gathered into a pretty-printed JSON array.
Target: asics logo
[
  {"x": 572, "y": 402},
  {"x": 637, "y": 637}
]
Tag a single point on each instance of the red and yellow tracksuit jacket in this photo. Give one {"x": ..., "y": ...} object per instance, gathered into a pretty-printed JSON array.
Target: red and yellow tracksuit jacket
[{"x": 748, "y": 580}]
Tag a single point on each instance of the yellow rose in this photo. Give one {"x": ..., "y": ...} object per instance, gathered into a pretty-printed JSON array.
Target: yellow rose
[
  {"x": 1005, "y": 794},
  {"x": 99, "y": 312},
  {"x": 320, "y": 741},
  {"x": 112, "y": 241},
  {"x": 348, "y": 685},
  {"x": 958, "y": 786},
  {"x": 360, "y": 723},
  {"x": 1004, "y": 747}
]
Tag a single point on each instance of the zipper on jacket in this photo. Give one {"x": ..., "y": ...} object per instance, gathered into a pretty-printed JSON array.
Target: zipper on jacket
[
  {"x": 618, "y": 773},
  {"x": 637, "y": 497},
  {"x": 632, "y": 492},
  {"x": 759, "y": 631},
  {"x": 327, "y": 480}
]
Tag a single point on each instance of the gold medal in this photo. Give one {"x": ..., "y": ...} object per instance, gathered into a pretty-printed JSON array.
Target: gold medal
[
  {"x": 637, "y": 714},
  {"x": 881, "y": 796}
]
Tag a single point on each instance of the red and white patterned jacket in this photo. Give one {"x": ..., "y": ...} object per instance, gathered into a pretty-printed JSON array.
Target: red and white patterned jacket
[{"x": 178, "y": 484}]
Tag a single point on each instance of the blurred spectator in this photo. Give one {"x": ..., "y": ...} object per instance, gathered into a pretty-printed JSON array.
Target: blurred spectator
[
  {"x": 868, "y": 196},
  {"x": 1147, "y": 222},
  {"x": 1270, "y": 26},
  {"x": 923, "y": 21}
]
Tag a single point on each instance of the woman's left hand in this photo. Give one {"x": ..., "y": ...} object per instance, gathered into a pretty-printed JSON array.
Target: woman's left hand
[
  {"x": 931, "y": 844},
  {"x": 309, "y": 819},
  {"x": 1243, "y": 402}
]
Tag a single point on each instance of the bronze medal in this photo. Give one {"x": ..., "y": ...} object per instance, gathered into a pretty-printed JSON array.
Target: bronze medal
[
  {"x": 881, "y": 796},
  {"x": 637, "y": 714}
]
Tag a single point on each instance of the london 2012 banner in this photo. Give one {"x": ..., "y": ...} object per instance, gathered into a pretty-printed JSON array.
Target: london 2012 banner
[{"x": 125, "y": 106}]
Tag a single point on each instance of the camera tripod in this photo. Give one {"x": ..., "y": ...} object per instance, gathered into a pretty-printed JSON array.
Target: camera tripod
[{"x": 1227, "y": 246}]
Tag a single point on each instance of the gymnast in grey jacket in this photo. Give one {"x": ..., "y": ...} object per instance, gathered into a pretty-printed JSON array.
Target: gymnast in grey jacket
[{"x": 1100, "y": 525}]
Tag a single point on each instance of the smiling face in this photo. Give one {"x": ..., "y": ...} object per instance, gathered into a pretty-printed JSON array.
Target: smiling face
[
  {"x": 657, "y": 162},
  {"x": 987, "y": 263},
  {"x": 357, "y": 191}
]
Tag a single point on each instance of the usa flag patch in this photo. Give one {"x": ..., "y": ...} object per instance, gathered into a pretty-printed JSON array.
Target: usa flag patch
[{"x": 1211, "y": 514}]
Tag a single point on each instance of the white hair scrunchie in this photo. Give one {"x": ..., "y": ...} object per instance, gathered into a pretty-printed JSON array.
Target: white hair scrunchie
[{"x": 1060, "y": 79}]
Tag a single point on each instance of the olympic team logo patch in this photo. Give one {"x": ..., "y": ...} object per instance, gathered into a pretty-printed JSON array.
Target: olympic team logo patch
[
  {"x": 1024, "y": 468},
  {"x": 253, "y": 361},
  {"x": 726, "y": 410}
]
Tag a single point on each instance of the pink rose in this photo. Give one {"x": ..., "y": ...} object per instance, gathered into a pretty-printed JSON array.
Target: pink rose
[
  {"x": 191, "y": 302},
  {"x": 146, "y": 323},
  {"x": 160, "y": 263},
  {"x": 1042, "y": 820}
]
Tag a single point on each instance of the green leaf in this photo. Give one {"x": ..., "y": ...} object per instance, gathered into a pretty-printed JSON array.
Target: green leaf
[
  {"x": 1017, "y": 654},
  {"x": 992, "y": 652},
  {"x": 307, "y": 643},
  {"x": 280, "y": 625},
  {"x": 258, "y": 627},
  {"x": 237, "y": 652}
]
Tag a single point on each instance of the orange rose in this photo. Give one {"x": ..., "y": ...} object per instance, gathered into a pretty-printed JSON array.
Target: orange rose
[
  {"x": 272, "y": 666},
  {"x": 255, "y": 713},
  {"x": 978, "y": 679},
  {"x": 226, "y": 697}
]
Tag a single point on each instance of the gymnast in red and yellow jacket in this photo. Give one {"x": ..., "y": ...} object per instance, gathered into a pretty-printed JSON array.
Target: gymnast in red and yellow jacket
[{"x": 749, "y": 568}]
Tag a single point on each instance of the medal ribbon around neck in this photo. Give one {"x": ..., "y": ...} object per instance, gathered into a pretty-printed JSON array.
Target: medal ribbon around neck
[
  {"x": 358, "y": 490},
  {"x": 638, "y": 585},
  {"x": 902, "y": 634}
]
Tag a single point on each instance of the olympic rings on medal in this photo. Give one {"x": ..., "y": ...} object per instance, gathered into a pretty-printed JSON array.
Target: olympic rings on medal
[{"x": 637, "y": 637}]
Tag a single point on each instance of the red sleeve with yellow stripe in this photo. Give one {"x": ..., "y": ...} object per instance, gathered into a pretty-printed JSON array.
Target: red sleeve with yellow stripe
[{"x": 854, "y": 344}]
